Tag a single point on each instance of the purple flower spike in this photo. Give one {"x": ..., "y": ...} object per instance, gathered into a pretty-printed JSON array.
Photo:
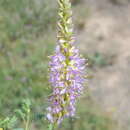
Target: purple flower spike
[{"x": 67, "y": 70}]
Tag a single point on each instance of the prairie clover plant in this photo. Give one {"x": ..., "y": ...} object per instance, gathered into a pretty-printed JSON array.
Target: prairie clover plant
[
  {"x": 22, "y": 114},
  {"x": 67, "y": 69}
]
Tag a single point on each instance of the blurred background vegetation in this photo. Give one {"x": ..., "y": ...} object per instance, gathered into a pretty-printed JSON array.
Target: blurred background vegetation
[{"x": 27, "y": 38}]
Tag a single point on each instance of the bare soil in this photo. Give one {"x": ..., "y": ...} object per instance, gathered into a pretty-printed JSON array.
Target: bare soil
[{"x": 107, "y": 31}]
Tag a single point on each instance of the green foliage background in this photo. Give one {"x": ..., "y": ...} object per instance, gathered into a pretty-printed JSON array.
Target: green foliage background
[{"x": 27, "y": 38}]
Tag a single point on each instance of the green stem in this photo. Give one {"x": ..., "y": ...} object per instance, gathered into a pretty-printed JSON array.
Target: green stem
[
  {"x": 28, "y": 121},
  {"x": 71, "y": 124},
  {"x": 51, "y": 127}
]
